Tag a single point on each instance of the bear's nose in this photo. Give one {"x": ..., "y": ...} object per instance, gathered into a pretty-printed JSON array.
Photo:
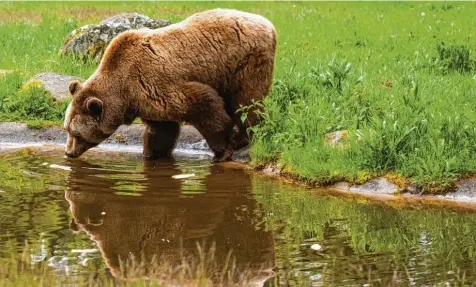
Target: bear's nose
[{"x": 70, "y": 155}]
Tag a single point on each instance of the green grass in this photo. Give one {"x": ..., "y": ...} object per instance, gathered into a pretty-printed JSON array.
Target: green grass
[
  {"x": 18, "y": 270},
  {"x": 399, "y": 76}
]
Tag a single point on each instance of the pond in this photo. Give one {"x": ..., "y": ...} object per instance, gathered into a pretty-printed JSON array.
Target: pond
[{"x": 117, "y": 216}]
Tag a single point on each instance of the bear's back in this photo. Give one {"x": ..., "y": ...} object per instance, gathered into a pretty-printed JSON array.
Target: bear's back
[{"x": 222, "y": 20}]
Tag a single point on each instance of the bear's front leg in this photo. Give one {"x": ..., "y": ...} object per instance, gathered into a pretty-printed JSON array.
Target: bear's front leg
[
  {"x": 206, "y": 112},
  {"x": 160, "y": 138}
]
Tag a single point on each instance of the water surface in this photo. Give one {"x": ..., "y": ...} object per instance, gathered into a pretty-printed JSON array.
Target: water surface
[{"x": 84, "y": 216}]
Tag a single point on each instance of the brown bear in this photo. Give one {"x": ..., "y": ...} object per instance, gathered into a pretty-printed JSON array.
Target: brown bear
[{"x": 198, "y": 71}]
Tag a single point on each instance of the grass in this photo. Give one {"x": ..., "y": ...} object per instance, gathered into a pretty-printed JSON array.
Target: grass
[
  {"x": 399, "y": 77},
  {"x": 18, "y": 269},
  {"x": 404, "y": 92}
]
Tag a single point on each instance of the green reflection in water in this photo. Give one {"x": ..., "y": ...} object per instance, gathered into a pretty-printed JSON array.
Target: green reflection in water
[{"x": 364, "y": 243}]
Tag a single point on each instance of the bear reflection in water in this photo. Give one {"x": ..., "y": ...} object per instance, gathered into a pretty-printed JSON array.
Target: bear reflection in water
[{"x": 164, "y": 224}]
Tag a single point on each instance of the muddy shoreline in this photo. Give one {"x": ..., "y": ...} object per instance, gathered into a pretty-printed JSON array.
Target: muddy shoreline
[
  {"x": 379, "y": 190},
  {"x": 124, "y": 139},
  {"x": 129, "y": 138}
]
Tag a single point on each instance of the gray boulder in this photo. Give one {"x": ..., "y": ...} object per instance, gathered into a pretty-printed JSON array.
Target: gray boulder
[
  {"x": 90, "y": 41},
  {"x": 56, "y": 85}
]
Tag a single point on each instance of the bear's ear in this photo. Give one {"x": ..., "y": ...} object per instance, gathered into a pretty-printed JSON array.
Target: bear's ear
[
  {"x": 94, "y": 106},
  {"x": 74, "y": 86}
]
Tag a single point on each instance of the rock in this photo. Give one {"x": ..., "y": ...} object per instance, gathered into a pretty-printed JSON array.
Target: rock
[
  {"x": 200, "y": 145},
  {"x": 414, "y": 188},
  {"x": 55, "y": 84},
  {"x": 242, "y": 155},
  {"x": 272, "y": 170},
  {"x": 91, "y": 40},
  {"x": 190, "y": 138},
  {"x": 465, "y": 191},
  {"x": 379, "y": 185},
  {"x": 336, "y": 138}
]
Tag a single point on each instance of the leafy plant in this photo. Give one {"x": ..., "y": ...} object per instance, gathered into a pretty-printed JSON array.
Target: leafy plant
[{"x": 454, "y": 58}]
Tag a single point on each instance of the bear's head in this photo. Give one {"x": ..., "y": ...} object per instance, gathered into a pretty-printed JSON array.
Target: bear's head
[{"x": 87, "y": 121}]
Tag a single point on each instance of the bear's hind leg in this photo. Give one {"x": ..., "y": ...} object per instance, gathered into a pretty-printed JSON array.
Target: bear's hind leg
[
  {"x": 254, "y": 83},
  {"x": 207, "y": 114},
  {"x": 160, "y": 139}
]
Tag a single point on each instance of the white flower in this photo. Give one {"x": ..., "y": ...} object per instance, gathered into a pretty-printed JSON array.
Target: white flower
[{"x": 423, "y": 14}]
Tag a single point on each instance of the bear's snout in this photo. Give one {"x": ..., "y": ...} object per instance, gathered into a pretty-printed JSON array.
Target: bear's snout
[
  {"x": 70, "y": 155},
  {"x": 75, "y": 146}
]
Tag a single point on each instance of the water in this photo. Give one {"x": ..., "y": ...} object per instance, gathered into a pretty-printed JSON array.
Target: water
[{"x": 80, "y": 216}]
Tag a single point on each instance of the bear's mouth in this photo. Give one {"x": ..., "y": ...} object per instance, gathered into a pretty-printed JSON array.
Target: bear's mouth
[
  {"x": 76, "y": 146},
  {"x": 71, "y": 155}
]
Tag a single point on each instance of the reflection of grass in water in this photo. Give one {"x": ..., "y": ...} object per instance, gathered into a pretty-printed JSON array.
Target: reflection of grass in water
[
  {"x": 123, "y": 176},
  {"x": 127, "y": 193},
  {"x": 193, "y": 186},
  {"x": 16, "y": 175},
  {"x": 27, "y": 171},
  {"x": 439, "y": 241},
  {"x": 19, "y": 270},
  {"x": 128, "y": 188}
]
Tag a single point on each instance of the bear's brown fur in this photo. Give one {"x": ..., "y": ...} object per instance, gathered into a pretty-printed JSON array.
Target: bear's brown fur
[
  {"x": 198, "y": 71},
  {"x": 162, "y": 227}
]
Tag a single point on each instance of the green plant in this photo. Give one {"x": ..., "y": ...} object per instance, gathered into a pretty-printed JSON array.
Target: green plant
[
  {"x": 33, "y": 103},
  {"x": 454, "y": 58}
]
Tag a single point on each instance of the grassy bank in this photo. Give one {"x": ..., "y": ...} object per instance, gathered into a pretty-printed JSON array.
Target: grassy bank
[{"x": 399, "y": 77}]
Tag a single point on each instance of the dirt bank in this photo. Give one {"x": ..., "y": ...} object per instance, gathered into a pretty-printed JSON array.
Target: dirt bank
[{"x": 382, "y": 190}]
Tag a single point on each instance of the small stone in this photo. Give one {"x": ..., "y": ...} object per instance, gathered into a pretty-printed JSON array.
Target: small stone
[
  {"x": 61, "y": 167},
  {"x": 119, "y": 138},
  {"x": 378, "y": 185},
  {"x": 56, "y": 85},
  {"x": 414, "y": 188},
  {"x": 316, "y": 247},
  {"x": 336, "y": 138},
  {"x": 272, "y": 170},
  {"x": 90, "y": 41}
]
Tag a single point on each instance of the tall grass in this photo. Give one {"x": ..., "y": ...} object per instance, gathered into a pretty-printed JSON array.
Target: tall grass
[
  {"x": 20, "y": 270},
  {"x": 405, "y": 94},
  {"x": 419, "y": 124}
]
